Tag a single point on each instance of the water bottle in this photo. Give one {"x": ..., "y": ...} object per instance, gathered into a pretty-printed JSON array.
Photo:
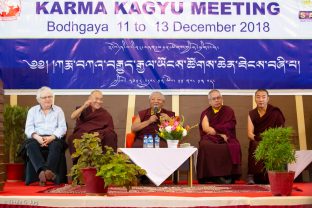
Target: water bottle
[
  {"x": 150, "y": 143},
  {"x": 145, "y": 142},
  {"x": 157, "y": 141}
]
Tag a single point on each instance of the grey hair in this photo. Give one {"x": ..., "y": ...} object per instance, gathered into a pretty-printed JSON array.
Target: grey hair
[
  {"x": 41, "y": 90},
  {"x": 157, "y": 92},
  {"x": 211, "y": 91}
]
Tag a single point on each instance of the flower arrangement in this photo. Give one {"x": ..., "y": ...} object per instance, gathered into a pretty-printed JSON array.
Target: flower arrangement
[{"x": 172, "y": 128}]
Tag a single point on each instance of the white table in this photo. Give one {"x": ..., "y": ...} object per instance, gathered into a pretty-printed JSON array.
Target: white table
[
  {"x": 160, "y": 163},
  {"x": 303, "y": 159}
]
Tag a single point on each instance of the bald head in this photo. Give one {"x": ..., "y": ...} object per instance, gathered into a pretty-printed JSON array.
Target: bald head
[
  {"x": 96, "y": 92},
  {"x": 96, "y": 98}
]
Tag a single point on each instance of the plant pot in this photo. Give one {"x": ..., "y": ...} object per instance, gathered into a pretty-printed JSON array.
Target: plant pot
[
  {"x": 281, "y": 182},
  {"x": 94, "y": 184},
  {"x": 172, "y": 143},
  {"x": 15, "y": 172}
]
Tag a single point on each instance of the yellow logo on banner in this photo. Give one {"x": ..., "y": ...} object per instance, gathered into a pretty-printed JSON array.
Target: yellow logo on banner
[{"x": 307, "y": 2}]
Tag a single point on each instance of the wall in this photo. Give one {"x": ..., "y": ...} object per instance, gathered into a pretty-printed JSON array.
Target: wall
[{"x": 191, "y": 106}]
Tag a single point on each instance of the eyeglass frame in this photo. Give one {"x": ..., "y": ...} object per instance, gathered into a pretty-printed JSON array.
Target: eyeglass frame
[
  {"x": 216, "y": 98},
  {"x": 46, "y": 97}
]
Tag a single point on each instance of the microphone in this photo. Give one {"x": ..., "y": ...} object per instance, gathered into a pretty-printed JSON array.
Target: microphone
[{"x": 155, "y": 109}]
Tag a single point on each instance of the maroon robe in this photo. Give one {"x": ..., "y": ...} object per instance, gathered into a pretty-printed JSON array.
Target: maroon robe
[
  {"x": 272, "y": 118},
  {"x": 98, "y": 121},
  {"x": 150, "y": 129},
  {"x": 216, "y": 157}
]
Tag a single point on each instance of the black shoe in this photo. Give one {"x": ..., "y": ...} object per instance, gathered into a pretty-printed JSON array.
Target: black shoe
[
  {"x": 201, "y": 181},
  {"x": 222, "y": 180},
  {"x": 250, "y": 180},
  {"x": 229, "y": 180}
]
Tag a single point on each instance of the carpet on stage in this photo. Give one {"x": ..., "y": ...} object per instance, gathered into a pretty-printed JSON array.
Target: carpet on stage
[{"x": 213, "y": 188}]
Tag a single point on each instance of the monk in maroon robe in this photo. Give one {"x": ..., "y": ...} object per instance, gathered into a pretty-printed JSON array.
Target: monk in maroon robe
[
  {"x": 263, "y": 117},
  {"x": 92, "y": 117},
  {"x": 148, "y": 120},
  {"x": 219, "y": 153}
]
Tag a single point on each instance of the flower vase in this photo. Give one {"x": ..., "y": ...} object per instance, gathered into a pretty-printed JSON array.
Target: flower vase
[{"x": 172, "y": 143}]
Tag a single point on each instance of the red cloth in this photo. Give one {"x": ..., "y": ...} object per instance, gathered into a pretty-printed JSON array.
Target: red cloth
[
  {"x": 150, "y": 129},
  {"x": 18, "y": 189},
  {"x": 272, "y": 118},
  {"x": 215, "y": 156},
  {"x": 99, "y": 121}
]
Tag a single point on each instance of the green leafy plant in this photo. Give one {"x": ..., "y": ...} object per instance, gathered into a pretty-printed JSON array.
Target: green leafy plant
[
  {"x": 120, "y": 171},
  {"x": 88, "y": 153},
  {"x": 115, "y": 169},
  {"x": 276, "y": 149},
  {"x": 14, "y": 126}
]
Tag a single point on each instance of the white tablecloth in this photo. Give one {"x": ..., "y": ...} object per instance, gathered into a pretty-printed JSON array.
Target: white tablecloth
[
  {"x": 159, "y": 163},
  {"x": 303, "y": 159}
]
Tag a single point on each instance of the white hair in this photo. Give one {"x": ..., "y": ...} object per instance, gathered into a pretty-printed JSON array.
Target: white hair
[
  {"x": 41, "y": 90},
  {"x": 157, "y": 92}
]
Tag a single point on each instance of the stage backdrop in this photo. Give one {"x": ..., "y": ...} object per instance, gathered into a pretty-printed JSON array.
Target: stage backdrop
[{"x": 234, "y": 44}]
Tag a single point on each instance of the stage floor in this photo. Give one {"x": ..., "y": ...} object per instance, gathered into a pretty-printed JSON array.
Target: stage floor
[{"x": 16, "y": 194}]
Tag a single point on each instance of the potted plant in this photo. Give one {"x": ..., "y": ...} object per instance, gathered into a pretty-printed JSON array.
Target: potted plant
[
  {"x": 89, "y": 157},
  {"x": 276, "y": 151},
  {"x": 100, "y": 170},
  {"x": 119, "y": 170},
  {"x": 13, "y": 128}
]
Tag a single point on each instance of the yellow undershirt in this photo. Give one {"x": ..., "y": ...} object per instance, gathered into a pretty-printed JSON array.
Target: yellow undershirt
[{"x": 215, "y": 110}]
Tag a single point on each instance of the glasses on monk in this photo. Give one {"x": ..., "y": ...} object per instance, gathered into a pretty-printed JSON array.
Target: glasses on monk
[
  {"x": 216, "y": 98},
  {"x": 46, "y": 97}
]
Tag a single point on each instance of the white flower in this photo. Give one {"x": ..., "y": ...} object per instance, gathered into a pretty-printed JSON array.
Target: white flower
[
  {"x": 168, "y": 129},
  {"x": 184, "y": 133}
]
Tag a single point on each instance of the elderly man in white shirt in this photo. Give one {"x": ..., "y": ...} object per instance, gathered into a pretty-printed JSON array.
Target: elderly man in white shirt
[{"x": 45, "y": 126}]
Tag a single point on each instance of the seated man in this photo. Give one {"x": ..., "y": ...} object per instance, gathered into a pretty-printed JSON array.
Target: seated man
[
  {"x": 219, "y": 153},
  {"x": 92, "y": 117},
  {"x": 263, "y": 117},
  {"x": 45, "y": 126},
  {"x": 148, "y": 120}
]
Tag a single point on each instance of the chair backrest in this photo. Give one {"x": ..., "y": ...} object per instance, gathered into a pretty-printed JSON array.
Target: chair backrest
[{"x": 130, "y": 136}]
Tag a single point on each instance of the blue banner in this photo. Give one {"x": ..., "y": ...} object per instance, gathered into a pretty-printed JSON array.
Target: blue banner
[{"x": 156, "y": 63}]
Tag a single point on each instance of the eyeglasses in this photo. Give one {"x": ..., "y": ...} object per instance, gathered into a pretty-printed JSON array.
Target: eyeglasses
[
  {"x": 46, "y": 97},
  {"x": 216, "y": 98}
]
